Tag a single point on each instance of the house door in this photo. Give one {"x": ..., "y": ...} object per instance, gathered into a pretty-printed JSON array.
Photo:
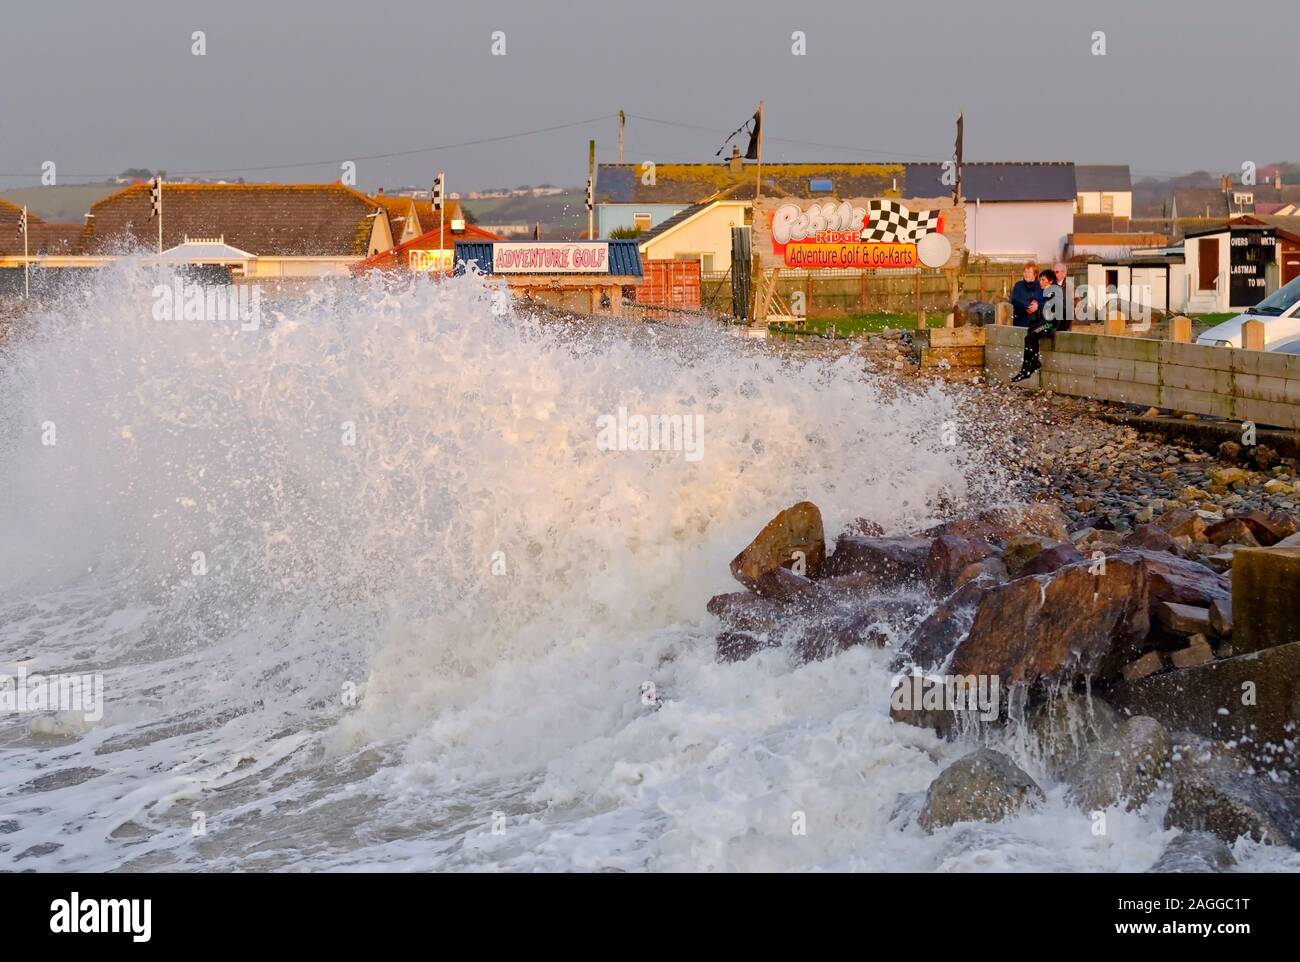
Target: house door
[
  {"x": 1207, "y": 255},
  {"x": 741, "y": 270},
  {"x": 1290, "y": 263}
]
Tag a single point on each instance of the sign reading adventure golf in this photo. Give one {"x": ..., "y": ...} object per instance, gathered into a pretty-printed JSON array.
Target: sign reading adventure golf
[
  {"x": 859, "y": 234},
  {"x": 542, "y": 257}
]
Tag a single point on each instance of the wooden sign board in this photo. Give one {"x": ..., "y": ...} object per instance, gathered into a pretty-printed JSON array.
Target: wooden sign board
[{"x": 858, "y": 234}]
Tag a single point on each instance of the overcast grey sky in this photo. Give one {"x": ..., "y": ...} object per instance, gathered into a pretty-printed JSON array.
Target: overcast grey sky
[{"x": 101, "y": 86}]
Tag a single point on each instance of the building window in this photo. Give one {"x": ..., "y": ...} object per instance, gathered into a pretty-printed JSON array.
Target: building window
[
  {"x": 821, "y": 186},
  {"x": 1108, "y": 203},
  {"x": 706, "y": 263},
  {"x": 1241, "y": 199},
  {"x": 642, "y": 221}
]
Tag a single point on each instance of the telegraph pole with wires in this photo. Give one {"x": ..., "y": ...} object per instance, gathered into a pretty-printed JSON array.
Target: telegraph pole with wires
[
  {"x": 758, "y": 137},
  {"x": 622, "y": 123},
  {"x": 591, "y": 189},
  {"x": 155, "y": 207},
  {"x": 961, "y": 126},
  {"x": 442, "y": 217},
  {"x": 22, "y": 229}
]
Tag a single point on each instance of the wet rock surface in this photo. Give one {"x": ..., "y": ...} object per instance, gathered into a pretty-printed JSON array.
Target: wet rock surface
[
  {"x": 1126, "y": 766},
  {"x": 985, "y": 786},
  {"x": 1194, "y": 852}
]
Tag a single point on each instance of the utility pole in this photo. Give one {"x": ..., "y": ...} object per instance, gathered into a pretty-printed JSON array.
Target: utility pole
[
  {"x": 961, "y": 126},
  {"x": 591, "y": 189},
  {"x": 758, "y": 188},
  {"x": 622, "y": 122}
]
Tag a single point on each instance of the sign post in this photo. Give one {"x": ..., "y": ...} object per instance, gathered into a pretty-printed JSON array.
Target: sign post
[
  {"x": 22, "y": 227},
  {"x": 442, "y": 214},
  {"x": 155, "y": 196}
]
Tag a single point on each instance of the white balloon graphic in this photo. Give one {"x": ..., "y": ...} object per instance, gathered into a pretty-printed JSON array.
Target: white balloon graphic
[{"x": 934, "y": 250}]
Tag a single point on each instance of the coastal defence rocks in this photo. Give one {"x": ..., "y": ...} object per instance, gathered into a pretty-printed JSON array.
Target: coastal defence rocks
[{"x": 1143, "y": 624}]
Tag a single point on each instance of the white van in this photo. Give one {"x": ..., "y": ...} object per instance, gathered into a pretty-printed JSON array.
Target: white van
[{"x": 1280, "y": 313}]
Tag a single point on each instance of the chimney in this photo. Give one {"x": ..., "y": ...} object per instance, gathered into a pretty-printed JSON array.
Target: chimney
[
  {"x": 737, "y": 163},
  {"x": 1225, "y": 183}
]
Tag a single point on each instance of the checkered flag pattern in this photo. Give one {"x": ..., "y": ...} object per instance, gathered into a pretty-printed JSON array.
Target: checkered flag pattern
[{"x": 888, "y": 221}]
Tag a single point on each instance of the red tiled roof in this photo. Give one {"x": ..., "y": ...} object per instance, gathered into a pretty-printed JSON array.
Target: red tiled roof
[
  {"x": 429, "y": 217},
  {"x": 288, "y": 220},
  {"x": 396, "y": 258},
  {"x": 42, "y": 237}
]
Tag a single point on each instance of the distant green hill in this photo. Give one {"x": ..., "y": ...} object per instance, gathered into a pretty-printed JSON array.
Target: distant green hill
[
  {"x": 66, "y": 203},
  {"x": 561, "y": 215}
]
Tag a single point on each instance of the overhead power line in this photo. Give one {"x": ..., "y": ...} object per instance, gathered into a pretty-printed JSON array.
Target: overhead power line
[
  {"x": 339, "y": 160},
  {"x": 860, "y": 149}
]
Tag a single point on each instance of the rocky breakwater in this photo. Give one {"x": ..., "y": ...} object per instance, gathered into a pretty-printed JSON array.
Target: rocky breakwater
[{"x": 1118, "y": 654}]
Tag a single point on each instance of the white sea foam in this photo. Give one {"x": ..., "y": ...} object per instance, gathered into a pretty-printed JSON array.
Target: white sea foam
[{"x": 493, "y": 586}]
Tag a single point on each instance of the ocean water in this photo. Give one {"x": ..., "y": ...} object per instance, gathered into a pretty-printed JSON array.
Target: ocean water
[{"x": 366, "y": 593}]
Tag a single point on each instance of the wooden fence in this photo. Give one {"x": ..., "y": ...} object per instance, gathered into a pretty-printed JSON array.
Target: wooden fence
[
  {"x": 1223, "y": 382},
  {"x": 831, "y": 293}
]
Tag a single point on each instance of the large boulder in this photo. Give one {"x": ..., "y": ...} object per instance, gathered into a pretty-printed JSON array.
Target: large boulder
[
  {"x": 944, "y": 703},
  {"x": 796, "y": 533},
  {"x": 1182, "y": 620},
  {"x": 1194, "y": 852},
  {"x": 1269, "y": 527},
  {"x": 739, "y": 645},
  {"x": 1170, "y": 578},
  {"x": 888, "y": 562},
  {"x": 838, "y": 630},
  {"x": 938, "y": 634},
  {"x": 1060, "y": 627},
  {"x": 784, "y": 586},
  {"x": 1124, "y": 767},
  {"x": 1232, "y": 531},
  {"x": 991, "y": 571},
  {"x": 1055, "y": 555},
  {"x": 1063, "y": 729},
  {"x": 814, "y": 621},
  {"x": 949, "y": 555},
  {"x": 985, "y": 786},
  {"x": 1214, "y": 794},
  {"x": 744, "y": 611},
  {"x": 1150, "y": 537},
  {"x": 1021, "y": 549},
  {"x": 1000, "y": 525},
  {"x": 1182, "y": 523}
]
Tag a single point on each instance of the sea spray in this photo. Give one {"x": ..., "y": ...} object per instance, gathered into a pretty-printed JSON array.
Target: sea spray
[{"x": 365, "y": 588}]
